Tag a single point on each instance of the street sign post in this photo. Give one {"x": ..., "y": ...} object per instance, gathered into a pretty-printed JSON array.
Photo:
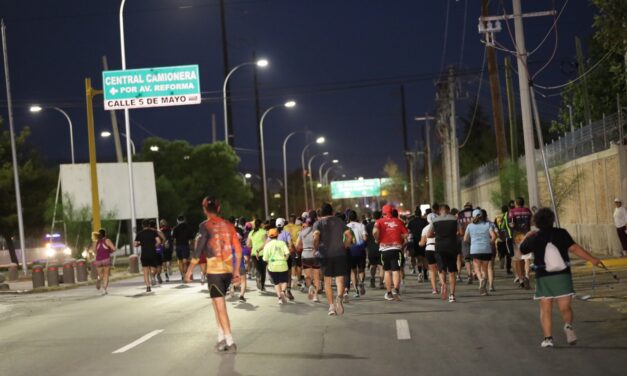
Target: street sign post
[
  {"x": 355, "y": 188},
  {"x": 151, "y": 87}
]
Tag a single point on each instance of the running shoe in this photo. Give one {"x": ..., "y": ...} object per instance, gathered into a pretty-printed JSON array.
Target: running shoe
[
  {"x": 362, "y": 289},
  {"x": 492, "y": 289},
  {"x": 356, "y": 295},
  {"x": 451, "y": 299},
  {"x": 258, "y": 281},
  {"x": 98, "y": 282},
  {"x": 571, "y": 337},
  {"x": 396, "y": 295},
  {"x": 526, "y": 284},
  {"x": 230, "y": 349},
  {"x": 203, "y": 279},
  {"x": 421, "y": 278},
  {"x": 517, "y": 281},
  {"x": 289, "y": 295},
  {"x": 153, "y": 281},
  {"x": 339, "y": 306},
  {"x": 443, "y": 291},
  {"x": 388, "y": 296},
  {"x": 345, "y": 299},
  {"x": 311, "y": 293},
  {"x": 303, "y": 288},
  {"x": 315, "y": 299},
  {"x": 482, "y": 288},
  {"x": 547, "y": 342},
  {"x": 167, "y": 277},
  {"x": 372, "y": 284},
  {"x": 220, "y": 346},
  {"x": 281, "y": 301},
  {"x": 242, "y": 299},
  {"x": 459, "y": 278},
  {"x": 469, "y": 280},
  {"x": 332, "y": 311},
  {"x": 148, "y": 289},
  {"x": 105, "y": 293},
  {"x": 434, "y": 292},
  {"x": 413, "y": 271},
  {"x": 283, "y": 298},
  {"x": 159, "y": 279}
]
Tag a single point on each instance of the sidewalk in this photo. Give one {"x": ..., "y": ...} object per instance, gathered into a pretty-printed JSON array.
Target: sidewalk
[{"x": 600, "y": 285}]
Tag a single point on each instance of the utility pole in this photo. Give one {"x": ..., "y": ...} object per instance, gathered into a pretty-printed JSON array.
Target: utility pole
[
  {"x": 511, "y": 111},
  {"x": 581, "y": 68},
  {"x": 426, "y": 119},
  {"x": 455, "y": 185},
  {"x": 225, "y": 61},
  {"x": 495, "y": 93},
  {"x": 257, "y": 114},
  {"x": 114, "y": 123},
  {"x": 213, "y": 128},
  {"x": 408, "y": 162},
  {"x": 411, "y": 157},
  {"x": 524, "y": 84},
  {"x": 443, "y": 129}
]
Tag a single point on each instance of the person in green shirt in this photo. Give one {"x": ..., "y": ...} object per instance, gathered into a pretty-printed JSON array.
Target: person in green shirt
[
  {"x": 256, "y": 240},
  {"x": 275, "y": 255}
]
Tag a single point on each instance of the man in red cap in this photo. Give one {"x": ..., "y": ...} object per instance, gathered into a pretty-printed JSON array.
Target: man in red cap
[
  {"x": 390, "y": 233},
  {"x": 217, "y": 239}
]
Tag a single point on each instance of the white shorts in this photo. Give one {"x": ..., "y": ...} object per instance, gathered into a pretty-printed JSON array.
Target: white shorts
[{"x": 518, "y": 256}]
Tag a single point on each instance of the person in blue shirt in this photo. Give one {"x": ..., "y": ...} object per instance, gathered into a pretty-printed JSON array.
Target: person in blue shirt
[{"x": 480, "y": 234}]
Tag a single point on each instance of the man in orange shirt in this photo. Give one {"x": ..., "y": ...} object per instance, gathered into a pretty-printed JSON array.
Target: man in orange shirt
[{"x": 216, "y": 239}]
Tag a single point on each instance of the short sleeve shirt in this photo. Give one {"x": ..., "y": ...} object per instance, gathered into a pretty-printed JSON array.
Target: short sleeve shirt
[
  {"x": 275, "y": 254},
  {"x": 331, "y": 239},
  {"x": 536, "y": 243},
  {"x": 391, "y": 231},
  {"x": 521, "y": 217},
  {"x": 445, "y": 228},
  {"x": 217, "y": 240},
  {"x": 479, "y": 234},
  {"x": 146, "y": 239}
]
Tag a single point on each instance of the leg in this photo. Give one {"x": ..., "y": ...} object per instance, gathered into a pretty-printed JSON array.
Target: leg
[
  {"x": 278, "y": 290},
  {"x": 387, "y": 279},
  {"x": 566, "y": 310},
  {"x": 396, "y": 279},
  {"x": 491, "y": 273},
  {"x": 339, "y": 281},
  {"x": 477, "y": 265},
  {"x": 546, "y": 307},
  {"x": 105, "y": 277},
  {"x": 147, "y": 276},
  {"x": 316, "y": 278},
  {"x": 452, "y": 277},
  {"x": 433, "y": 271},
  {"x": 328, "y": 289},
  {"x": 219, "y": 304}
]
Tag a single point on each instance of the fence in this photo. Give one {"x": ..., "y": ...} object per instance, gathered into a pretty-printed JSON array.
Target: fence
[{"x": 583, "y": 141}]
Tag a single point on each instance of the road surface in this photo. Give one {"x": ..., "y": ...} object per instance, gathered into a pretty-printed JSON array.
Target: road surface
[{"x": 172, "y": 332}]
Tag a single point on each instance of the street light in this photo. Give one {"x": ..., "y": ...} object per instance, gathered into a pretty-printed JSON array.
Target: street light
[
  {"x": 426, "y": 119},
  {"x": 107, "y": 134},
  {"x": 37, "y": 108},
  {"x": 319, "y": 141},
  {"x": 261, "y": 63},
  {"x": 311, "y": 188},
  {"x": 288, "y": 104},
  {"x": 154, "y": 148},
  {"x": 326, "y": 174},
  {"x": 335, "y": 161},
  {"x": 287, "y": 210}
]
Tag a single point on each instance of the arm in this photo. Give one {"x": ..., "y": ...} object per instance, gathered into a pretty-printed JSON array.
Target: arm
[
  {"x": 583, "y": 254},
  {"x": 110, "y": 245},
  {"x": 348, "y": 238},
  {"x": 158, "y": 241},
  {"x": 423, "y": 241},
  {"x": 431, "y": 233},
  {"x": 492, "y": 236},
  {"x": 375, "y": 233},
  {"x": 466, "y": 235},
  {"x": 316, "y": 240},
  {"x": 237, "y": 246},
  {"x": 299, "y": 244}
]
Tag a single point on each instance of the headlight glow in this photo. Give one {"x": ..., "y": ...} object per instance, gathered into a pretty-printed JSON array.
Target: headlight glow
[{"x": 67, "y": 251}]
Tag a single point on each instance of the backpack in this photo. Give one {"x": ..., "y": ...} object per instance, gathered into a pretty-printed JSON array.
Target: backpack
[{"x": 553, "y": 260}]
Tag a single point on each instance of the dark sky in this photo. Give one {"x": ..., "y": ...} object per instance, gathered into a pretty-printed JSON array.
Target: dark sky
[{"x": 342, "y": 61}]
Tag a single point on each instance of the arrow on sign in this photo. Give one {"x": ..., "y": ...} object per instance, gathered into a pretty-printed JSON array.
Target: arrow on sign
[{"x": 113, "y": 91}]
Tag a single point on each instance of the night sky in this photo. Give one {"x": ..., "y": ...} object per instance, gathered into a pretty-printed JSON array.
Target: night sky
[{"x": 342, "y": 61}]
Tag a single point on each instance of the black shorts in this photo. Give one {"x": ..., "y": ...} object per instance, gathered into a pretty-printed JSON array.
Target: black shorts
[
  {"x": 151, "y": 260},
  {"x": 335, "y": 266},
  {"x": 482, "y": 256},
  {"x": 447, "y": 262},
  {"x": 182, "y": 252},
  {"x": 374, "y": 258},
  {"x": 218, "y": 284},
  {"x": 279, "y": 277},
  {"x": 392, "y": 260},
  {"x": 311, "y": 263},
  {"x": 420, "y": 251},
  {"x": 411, "y": 249},
  {"x": 466, "y": 250},
  {"x": 430, "y": 255},
  {"x": 297, "y": 261},
  {"x": 506, "y": 248},
  {"x": 357, "y": 262},
  {"x": 166, "y": 256}
]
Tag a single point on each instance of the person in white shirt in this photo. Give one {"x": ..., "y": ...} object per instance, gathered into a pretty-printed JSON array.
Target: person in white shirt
[{"x": 620, "y": 220}]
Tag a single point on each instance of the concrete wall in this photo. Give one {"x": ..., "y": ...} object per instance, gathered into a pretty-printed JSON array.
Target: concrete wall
[{"x": 587, "y": 212}]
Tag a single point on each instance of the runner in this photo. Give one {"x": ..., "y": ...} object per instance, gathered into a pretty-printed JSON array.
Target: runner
[
  {"x": 256, "y": 241},
  {"x": 464, "y": 218},
  {"x": 243, "y": 268},
  {"x": 159, "y": 249},
  {"x": 374, "y": 255},
  {"x": 551, "y": 247},
  {"x": 390, "y": 233},
  {"x": 168, "y": 248},
  {"x": 504, "y": 243},
  {"x": 429, "y": 245},
  {"x": 216, "y": 239},
  {"x": 480, "y": 236},
  {"x": 520, "y": 221},
  {"x": 293, "y": 228},
  {"x": 445, "y": 229},
  {"x": 331, "y": 238},
  {"x": 417, "y": 252},
  {"x": 286, "y": 237},
  {"x": 104, "y": 248},
  {"x": 148, "y": 239},
  {"x": 311, "y": 264},
  {"x": 276, "y": 253},
  {"x": 183, "y": 236},
  {"x": 357, "y": 254}
]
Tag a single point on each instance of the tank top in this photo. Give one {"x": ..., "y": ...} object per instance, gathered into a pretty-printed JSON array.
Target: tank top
[{"x": 102, "y": 251}]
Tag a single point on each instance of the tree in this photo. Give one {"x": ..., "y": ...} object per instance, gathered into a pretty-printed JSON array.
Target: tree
[
  {"x": 480, "y": 147},
  {"x": 396, "y": 189},
  {"x": 36, "y": 183},
  {"x": 185, "y": 174}
]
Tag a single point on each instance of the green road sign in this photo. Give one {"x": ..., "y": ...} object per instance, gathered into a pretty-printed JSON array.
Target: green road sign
[
  {"x": 151, "y": 87},
  {"x": 355, "y": 188}
]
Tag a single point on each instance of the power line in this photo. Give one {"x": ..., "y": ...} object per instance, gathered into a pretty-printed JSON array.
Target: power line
[
  {"x": 474, "y": 114},
  {"x": 444, "y": 43}
]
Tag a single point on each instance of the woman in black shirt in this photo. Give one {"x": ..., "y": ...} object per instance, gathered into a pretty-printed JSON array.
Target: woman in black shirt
[{"x": 550, "y": 247}]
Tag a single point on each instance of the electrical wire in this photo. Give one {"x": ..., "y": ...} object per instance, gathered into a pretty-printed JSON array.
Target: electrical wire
[
  {"x": 474, "y": 114},
  {"x": 463, "y": 43},
  {"x": 553, "y": 27},
  {"x": 554, "y": 47},
  {"x": 584, "y": 74},
  {"x": 445, "y": 41}
]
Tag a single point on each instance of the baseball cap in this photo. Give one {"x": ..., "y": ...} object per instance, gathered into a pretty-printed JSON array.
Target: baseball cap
[
  {"x": 298, "y": 222},
  {"x": 280, "y": 222},
  {"x": 618, "y": 200},
  {"x": 387, "y": 209},
  {"x": 467, "y": 205},
  {"x": 273, "y": 233},
  {"x": 304, "y": 215},
  {"x": 476, "y": 213}
]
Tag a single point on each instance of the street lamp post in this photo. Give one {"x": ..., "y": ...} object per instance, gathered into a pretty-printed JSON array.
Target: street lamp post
[
  {"x": 36, "y": 108},
  {"x": 107, "y": 134},
  {"x": 319, "y": 140},
  {"x": 262, "y": 63},
  {"x": 326, "y": 174},
  {"x": 426, "y": 119},
  {"x": 335, "y": 161},
  {"x": 311, "y": 188},
  {"x": 287, "y": 210},
  {"x": 288, "y": 104}
]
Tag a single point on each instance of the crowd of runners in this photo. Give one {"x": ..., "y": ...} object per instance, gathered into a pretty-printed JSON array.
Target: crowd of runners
[{"x": 336, "y": 254}]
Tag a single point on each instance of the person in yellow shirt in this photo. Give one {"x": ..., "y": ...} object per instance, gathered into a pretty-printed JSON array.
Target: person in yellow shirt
[
  {"x": 275, "y": 254},
  {"x": 294, "y": 228},
  {"x": 256, "y": 240}
]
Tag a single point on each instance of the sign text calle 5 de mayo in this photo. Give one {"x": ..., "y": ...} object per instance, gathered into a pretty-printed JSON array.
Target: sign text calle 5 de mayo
[{"x": 151, "y": 87}]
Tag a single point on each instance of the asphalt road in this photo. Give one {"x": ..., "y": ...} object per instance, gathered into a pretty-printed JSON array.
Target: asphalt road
[{"x": 76, "y": 332}]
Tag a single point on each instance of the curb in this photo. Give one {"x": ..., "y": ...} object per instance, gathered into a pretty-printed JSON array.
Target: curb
[
  {"x": 619, "y": 261},
  {"x": 68, "y": 287}
]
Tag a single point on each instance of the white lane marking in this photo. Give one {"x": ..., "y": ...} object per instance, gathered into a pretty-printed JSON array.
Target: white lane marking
[
  {"x": 137, "y": 342},
  {"x": 402, "y": 330}
]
